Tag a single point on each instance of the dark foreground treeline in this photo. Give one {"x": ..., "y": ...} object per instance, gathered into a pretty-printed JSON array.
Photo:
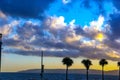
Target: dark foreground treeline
[{"x": 87, "y": 63}]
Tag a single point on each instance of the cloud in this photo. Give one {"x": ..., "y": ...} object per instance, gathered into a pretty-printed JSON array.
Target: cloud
[
  {"x": 58, "y": 38},
  {"x": 6, "y": 26},
  {"x": 112, "y": 44},
  {"x": 115, "y": 25},
  {"x": 95, "y": 30},
  {"x": 28, "y": 31},
  {"x": 100, "y": 37},
  {"x": 116, "y": 4},
  {"x": 66, "y": 1},
  {"x": 26, "y": 8},
  {"x": 113, "y": 54},
  {"x": 2, "y": 15},
  {"x": 103, "y": 7},
  {"x": 55, "y": 22}
]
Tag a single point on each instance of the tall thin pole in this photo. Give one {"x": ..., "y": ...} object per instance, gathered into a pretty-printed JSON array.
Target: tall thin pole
[
  {"x": 42, "y": 66},
  {"x": 41, "y": 58},
  {"x": 0, "y": 49}
]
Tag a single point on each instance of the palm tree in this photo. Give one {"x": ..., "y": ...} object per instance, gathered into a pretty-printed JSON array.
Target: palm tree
[
  {"x": 119, "y": 69},
  {"x": 0, "y": 49},
  {"x": 103, "y": 62},
  {"x": 68, "y": 62},
  {"x": 87, "y": 63}
]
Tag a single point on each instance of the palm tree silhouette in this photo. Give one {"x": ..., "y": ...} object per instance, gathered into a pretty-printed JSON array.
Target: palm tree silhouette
[
  {"x": 0, "y": 49},
  {"x": 68, "y": 62},
  {"x": 119, "y": 69},
  {"x": 87, "y": 63},
  {"x": 103, "y": 62}
]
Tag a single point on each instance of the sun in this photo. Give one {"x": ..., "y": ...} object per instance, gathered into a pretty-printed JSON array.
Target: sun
[{"x": 100, "y": 36}]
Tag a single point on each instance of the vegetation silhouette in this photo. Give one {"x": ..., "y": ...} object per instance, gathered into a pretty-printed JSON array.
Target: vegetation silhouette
[
  {"x": 103, "y": 62},
  {"x": 87, "y": 63},
  {"x": 0, "y": 50},
  {"x": 119, "y": 69},
  {"x": 68, "y": 62}
]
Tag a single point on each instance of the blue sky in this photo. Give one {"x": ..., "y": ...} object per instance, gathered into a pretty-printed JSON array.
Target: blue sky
[{"x": 74, "y": 28}]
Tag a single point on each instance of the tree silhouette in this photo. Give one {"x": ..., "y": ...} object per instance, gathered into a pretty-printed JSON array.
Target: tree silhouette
[
  {"x": 0, "y": 49},
  {"x": 87, "y": 63},
  {"x": 68, "y": 62},
  {"x": 103, "y": 62},
  {"x": 119, "y": 69}
]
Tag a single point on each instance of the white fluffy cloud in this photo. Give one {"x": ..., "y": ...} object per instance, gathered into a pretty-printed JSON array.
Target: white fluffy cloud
[
  {"x": 95, "y": 26},
  {"x": 56, "y": 22},
  {"x": 66, "y": 1}
]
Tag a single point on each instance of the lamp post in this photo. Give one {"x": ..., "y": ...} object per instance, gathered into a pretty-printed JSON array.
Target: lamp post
[
  {"x": 42, "y": 66},
  {"x": 0, "y": 49}
]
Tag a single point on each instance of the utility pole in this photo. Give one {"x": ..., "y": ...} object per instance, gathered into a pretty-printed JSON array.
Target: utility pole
[
  {"x": 0, "y": 49},
  {"x": 42, "y": 66}
]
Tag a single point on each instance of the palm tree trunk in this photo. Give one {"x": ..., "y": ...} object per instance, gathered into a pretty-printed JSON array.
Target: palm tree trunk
[
  {"x": 0, "y": 54},
  {"x": 66, "y": 72},
  {"x": 102, "y": 72},
  {"x": 87, "y": 74},
  {"x": 41, "y": 76},
  {"x": 119, "y": 73}
]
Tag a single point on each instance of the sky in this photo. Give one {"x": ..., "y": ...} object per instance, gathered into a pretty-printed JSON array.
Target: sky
[{"x": 79, "y": 29}]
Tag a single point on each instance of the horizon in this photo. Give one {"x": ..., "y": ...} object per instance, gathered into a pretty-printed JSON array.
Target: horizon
[
  {"x": 71, "y": 71},
  {"x": 57, "y": 64},
  {"x": 79, "y": 29}
]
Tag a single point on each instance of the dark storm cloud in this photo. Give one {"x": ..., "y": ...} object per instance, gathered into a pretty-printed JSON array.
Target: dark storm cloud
[
  {"x": 17, "y": 44},
  {"x": 116, "y": 3},
  {"x": 59, "y": 45},
  {"x": 69, "y": 53},
  {"x": 11, "y": 42},
  {"x": 25, "y": 8},
  {"x": 79, "y": 30},
  {"x": 112, "y": 43},
  {"x": 28, "y": 30},
  {"x": 115, "y": 26},
  {"x": 114, "y": 22},
  {"x": 99, "y": 4}
]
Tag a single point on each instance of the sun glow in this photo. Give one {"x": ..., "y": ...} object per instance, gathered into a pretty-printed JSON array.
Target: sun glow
[{"x": 100, "y": 37}]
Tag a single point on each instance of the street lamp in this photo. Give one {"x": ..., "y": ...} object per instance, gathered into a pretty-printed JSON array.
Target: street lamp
[{"x": 0, "y": 49}]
